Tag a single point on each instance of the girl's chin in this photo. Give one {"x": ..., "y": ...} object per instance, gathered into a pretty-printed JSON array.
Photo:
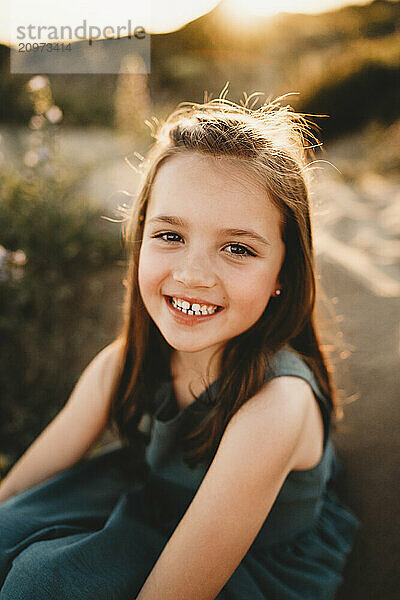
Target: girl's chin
[
  {"x": 179, "y": 347},
  {"x": 192, "y": 345}
]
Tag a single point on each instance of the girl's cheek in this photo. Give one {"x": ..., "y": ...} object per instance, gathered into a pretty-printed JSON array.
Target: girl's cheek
[
  {"x": 153, "y": 266},
  {"x": 146, "y": 272}
]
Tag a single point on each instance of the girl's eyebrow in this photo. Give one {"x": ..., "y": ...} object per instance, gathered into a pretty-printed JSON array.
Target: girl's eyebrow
[{"x": 248, "y": 233}]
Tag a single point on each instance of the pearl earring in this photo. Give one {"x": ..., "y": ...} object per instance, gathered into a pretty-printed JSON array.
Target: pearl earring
[{"x": 277, "y": 292}]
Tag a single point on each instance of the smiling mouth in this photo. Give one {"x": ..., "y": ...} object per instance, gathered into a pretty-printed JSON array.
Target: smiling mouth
[{"x": 193, "y": 309}]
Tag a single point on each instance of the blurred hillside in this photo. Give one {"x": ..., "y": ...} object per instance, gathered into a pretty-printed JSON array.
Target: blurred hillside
[{"x": 344, "y": 63}]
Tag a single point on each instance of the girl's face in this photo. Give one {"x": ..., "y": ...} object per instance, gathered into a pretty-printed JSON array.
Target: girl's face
[{"x": 211, "y": 252}]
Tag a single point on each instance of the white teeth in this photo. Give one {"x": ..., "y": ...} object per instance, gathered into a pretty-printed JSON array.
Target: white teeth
[{"x": 194, "y": 309}]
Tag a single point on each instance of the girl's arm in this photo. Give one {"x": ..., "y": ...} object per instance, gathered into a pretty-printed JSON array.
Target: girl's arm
[
  {"x": 72, "y": 432},
  {"x": 267, "y": 438}
]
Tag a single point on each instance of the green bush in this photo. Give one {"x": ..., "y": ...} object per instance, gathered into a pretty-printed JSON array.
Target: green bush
[
  {"x": 44, "y": 319},
  {"x": 354, "y": 99}
]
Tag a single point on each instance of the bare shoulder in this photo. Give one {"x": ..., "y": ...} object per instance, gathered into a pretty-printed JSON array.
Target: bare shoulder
[
  {"x": 109, "y": 359},
  {"x": 285, "y": 409},
  {"x": 109, "y": 352},
  {"x": 112, "y": 350},
  {"x": 100, "y": 373}
]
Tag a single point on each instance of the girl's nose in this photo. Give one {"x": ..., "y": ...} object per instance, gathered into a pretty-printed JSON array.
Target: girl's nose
[{"x": 193, "y": 275}]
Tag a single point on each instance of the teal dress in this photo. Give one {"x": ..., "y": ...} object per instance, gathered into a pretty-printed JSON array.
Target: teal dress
[{"x": 94, "y": 532}]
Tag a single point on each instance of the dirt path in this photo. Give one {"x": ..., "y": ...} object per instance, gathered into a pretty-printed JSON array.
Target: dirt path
[{"x": 358, "y": 249}]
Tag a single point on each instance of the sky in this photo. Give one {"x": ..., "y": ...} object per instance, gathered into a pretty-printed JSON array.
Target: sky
[
  {"x": 156, "y": 16},
  {"x": 272, "y": 7}
]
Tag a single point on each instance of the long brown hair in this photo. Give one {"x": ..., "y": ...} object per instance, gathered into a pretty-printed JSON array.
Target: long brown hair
[{"x": 271, "y": 141}]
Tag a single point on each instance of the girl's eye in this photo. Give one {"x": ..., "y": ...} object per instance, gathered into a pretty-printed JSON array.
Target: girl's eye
[
  {"x": 237, "y": 250},
  {"x": 168, "y": 236},
  {"x": 240, "y": 250}
]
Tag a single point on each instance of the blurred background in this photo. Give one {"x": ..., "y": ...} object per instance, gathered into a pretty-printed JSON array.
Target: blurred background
[{"x": 68, "y": 148}]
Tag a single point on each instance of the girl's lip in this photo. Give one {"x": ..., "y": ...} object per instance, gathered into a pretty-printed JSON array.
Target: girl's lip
[{"x": 186, "y": 319}]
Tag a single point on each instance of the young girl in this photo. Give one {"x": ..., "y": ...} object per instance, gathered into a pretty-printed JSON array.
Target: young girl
[{"x": 218, "y": 387}]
